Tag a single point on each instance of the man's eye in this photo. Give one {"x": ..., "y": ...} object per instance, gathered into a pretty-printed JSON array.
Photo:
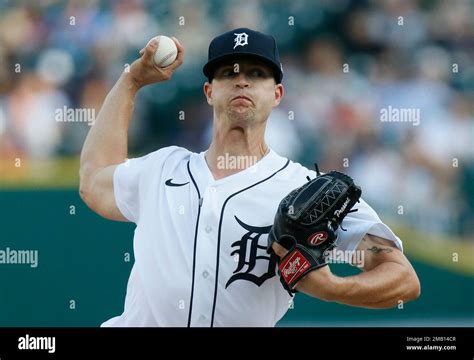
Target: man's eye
[
  {"x": 257, "y": 72},
  {"x": 228, "y": 72}
]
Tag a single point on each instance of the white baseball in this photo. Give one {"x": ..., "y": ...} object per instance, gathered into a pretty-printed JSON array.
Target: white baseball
[{"x": 167, "y": 51}]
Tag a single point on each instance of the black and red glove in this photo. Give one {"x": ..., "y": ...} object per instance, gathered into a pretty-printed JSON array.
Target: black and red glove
[{"x": 306, "y": 223}]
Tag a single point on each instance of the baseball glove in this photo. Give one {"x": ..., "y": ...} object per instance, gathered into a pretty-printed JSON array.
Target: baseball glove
[{"x": 306, "y": 223}]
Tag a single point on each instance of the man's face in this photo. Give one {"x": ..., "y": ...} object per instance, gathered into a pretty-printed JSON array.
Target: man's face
[{"x": 243, "y": 91}]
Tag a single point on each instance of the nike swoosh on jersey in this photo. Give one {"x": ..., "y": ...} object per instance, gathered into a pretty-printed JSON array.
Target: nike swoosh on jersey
[{"x": 169, "y": 183}]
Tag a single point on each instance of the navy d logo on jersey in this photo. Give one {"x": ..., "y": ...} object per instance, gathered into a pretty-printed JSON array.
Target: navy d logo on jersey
[{"x": 247, "y": 248}]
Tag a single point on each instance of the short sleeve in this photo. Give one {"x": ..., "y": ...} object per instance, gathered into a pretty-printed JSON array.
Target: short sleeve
[
  {"x": 364, "y": 221},
  {"x": 132, "y": 176}
]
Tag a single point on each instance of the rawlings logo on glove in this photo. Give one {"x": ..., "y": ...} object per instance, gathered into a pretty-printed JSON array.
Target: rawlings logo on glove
[
  {"x": 317, "y": 238},
  {"x": 306, "y": 223}
]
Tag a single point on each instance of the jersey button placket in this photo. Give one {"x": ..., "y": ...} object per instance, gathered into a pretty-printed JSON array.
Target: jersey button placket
[
  {"x": 206, "y": 258},
  {"x": 211, "y": 192}
]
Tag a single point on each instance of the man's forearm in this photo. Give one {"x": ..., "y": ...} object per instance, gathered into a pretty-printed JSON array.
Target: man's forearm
[
  {"x": 381, "y": 287},
  {"x": 106, "y": 143}
]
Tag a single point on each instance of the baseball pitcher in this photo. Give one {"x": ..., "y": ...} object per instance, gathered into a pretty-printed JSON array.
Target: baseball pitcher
[{"x": 225, "y": 242}]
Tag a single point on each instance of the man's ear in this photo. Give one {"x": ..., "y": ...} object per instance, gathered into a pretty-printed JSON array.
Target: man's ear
[
  {"x": 279, "y": 93},
  {"x": 207, "y": 88}
]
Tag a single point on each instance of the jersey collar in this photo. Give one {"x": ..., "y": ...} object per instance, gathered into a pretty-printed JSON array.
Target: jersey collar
[{"x": 264, "y": 168}]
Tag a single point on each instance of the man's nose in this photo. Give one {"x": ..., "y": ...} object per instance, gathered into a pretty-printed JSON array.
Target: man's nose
[{"x": 241, "y": 80}]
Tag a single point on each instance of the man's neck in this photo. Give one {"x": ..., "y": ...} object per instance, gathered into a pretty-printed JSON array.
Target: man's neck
[{"x": 234, "y": 150}]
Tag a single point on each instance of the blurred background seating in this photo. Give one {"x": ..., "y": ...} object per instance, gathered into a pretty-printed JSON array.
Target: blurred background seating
[{"x": 344, "y": 61}]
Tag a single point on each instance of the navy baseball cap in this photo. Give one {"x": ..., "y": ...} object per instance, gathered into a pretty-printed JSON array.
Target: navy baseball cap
[{"x": 247, "y": 42}]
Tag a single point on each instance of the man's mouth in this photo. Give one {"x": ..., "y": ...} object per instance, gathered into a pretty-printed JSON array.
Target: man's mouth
[{"x": 242, "y": 97}]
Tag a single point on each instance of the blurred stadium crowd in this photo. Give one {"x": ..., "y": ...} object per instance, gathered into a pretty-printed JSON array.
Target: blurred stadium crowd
[{"x": 344, "y": 61}]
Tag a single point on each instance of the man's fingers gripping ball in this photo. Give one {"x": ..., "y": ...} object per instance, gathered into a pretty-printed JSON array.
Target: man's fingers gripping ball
[{"x": 162, "y": 50}]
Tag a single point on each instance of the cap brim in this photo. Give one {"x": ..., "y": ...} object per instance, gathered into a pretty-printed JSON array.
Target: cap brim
[{"x": 210, "y": 67}]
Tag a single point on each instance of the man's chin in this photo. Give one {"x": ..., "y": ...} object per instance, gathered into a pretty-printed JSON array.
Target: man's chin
[{"x": 241, "y": 117}]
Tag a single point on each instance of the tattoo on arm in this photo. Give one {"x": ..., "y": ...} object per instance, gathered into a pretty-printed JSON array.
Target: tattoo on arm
[{"x": 377, "y": 250}]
